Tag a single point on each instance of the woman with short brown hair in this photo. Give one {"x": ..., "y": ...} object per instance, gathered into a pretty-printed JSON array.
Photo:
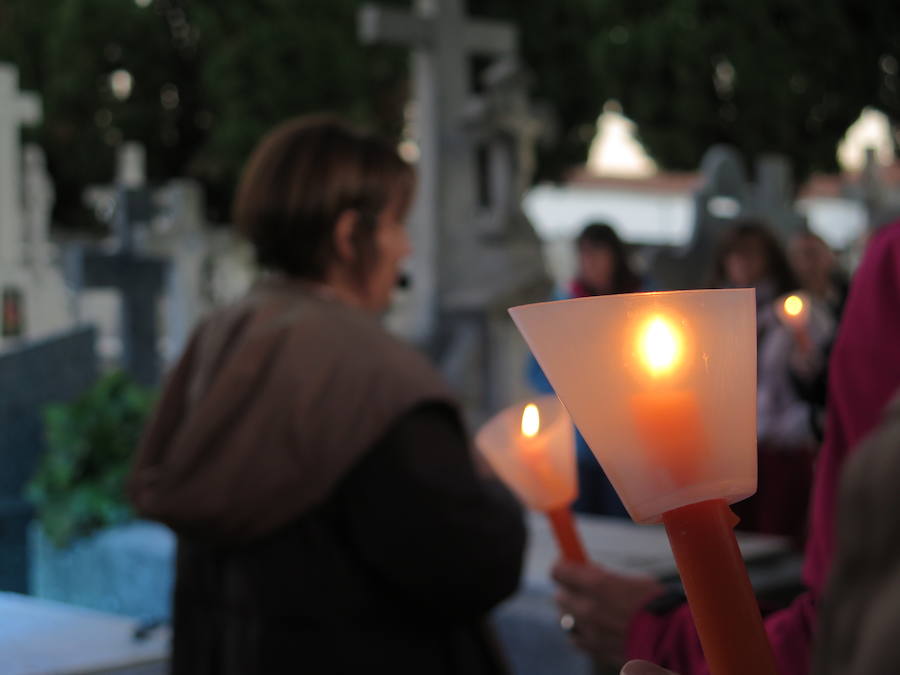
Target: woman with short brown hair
[{"x": 315, "y": 469}]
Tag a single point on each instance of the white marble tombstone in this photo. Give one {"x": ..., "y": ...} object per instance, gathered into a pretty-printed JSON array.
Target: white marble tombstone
[
  {"x": 208, "y": 267},
  {"x": 474, "y": 253},
  {"x": 36, "y": 284},
  {"x": 39, "y": 198},
  {"x": 16, "y": 109}
]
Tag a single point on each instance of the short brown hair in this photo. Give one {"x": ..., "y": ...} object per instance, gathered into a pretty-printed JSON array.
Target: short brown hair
[{"x": 298, "y": 181}]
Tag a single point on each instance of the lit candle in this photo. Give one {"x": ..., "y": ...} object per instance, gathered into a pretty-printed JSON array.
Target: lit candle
[
  {"x": 667, "y": 416},
  {"x": 537, "y": 461},
  {"x": 793, "y": 310},
  {"x": 663, "y": 387}
]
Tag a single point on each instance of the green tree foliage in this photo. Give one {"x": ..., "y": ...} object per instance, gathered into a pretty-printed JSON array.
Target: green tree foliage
[
  {"x": 767, "y": 76},
  {"x": 210, "y": 77}
]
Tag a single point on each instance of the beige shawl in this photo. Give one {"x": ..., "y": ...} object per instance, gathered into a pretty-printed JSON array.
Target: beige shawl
[{"x": 275, "y": 398}]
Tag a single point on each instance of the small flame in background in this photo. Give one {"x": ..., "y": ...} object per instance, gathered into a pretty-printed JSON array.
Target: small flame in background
[
  {"x": 793, "y": 305},
  {"x": 531, "y": 421}
]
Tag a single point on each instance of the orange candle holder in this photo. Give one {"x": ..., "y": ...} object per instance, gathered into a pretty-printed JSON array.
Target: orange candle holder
[
  {"x": 663, "y": 388},
  {"x": 531, "y": 446}
]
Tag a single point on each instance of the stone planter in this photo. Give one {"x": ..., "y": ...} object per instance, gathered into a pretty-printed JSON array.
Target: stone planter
[{"x": 125, "y": 570}]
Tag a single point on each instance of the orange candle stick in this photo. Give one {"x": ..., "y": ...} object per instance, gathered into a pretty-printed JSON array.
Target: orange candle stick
[
  {"x": 537, "y": 461},
  {"x": 566, "y": 535},
  {"x": 718, "y": 589},
  {"x": 662, "y": 386}
]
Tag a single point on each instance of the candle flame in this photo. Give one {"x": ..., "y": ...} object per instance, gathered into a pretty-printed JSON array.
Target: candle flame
[
  {"x": 531, "y": 420},
  {"x": 793, "y": 305},
  {"x": 660, "y": 346}
]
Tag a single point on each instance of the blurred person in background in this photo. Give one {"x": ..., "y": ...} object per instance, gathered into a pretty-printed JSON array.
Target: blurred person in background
[
  {"x": 826, "y": 286},
  {"x": 603, "y": 269},
  {"x": 616, "y": 616},
  {"x": 750, "y": 256},
  {"x": 817, "y": 272},
  {"x": 315, "y": 469}
]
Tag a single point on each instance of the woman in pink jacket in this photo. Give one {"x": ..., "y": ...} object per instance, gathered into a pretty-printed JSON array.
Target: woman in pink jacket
[{"x": 610, "y": 619}]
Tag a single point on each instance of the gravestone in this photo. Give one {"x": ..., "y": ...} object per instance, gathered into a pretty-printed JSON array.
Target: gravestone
[
  {"x": 209, "y": 266},
  {"x": 35, "y": 300},
  {"x": 138, "y": 279},
  {"x": 39, "y": 198},
  {"x": 32, "y": 375},
  {"x": 773, "y": 196},
  {"x": 505, "y": 128},
  {"x": 16, "y": 109},
  {"x": 474, "y": 252},
  {"x": 724, "y": 194},
  {"x": 178, "y": 234},
  {"x": 881, "y": 203}
]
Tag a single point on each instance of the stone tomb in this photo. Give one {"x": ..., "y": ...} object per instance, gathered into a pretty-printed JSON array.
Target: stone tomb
[
  {"x": 35, "y": 301},
  {"x": 32, "y": 376}
]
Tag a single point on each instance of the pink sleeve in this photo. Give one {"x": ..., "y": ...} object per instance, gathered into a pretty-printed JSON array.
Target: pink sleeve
[{"x": 671, "y": 640}]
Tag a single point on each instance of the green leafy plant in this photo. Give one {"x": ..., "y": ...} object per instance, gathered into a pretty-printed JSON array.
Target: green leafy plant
[{"x": 79, "y": 485}]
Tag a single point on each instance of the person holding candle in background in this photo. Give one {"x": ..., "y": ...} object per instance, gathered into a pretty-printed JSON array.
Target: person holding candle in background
[
  {"x": 329, "y": 515},
  {"x": 825, "y": 284},
  {"x": 750, "y": 256},
  {"x": 603, "y": 269},
  {"x": 864, "y": 375},
  {"x": 817, "y": 271}
]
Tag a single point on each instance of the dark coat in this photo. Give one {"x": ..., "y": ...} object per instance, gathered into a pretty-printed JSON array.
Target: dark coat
[
  {"x": 329, "y": 515},
  {"x": 393, "y": 574}
]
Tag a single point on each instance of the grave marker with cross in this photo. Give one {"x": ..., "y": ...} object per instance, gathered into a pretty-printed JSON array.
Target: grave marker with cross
[
  {"x": 443, "y": 40},
  {"x": 16, "y": 109},
  {"x": 139, "y": 279},
  {"x": 474, "y": 251}
]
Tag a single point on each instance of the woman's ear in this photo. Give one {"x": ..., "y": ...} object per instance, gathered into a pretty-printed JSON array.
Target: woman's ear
[{"x": 344, "y": 229}]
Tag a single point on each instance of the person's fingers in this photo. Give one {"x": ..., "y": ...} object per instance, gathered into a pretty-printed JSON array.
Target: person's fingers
[
  {"x": 578, "y": 576},
  {"x": 578, "y": 605},
  {"x": 644, "y": 668}
]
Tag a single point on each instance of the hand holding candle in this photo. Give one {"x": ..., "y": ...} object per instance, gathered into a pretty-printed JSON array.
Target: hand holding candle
[
  {"x": 662, "y": 387},
  {"x": 532, "y": 448}
]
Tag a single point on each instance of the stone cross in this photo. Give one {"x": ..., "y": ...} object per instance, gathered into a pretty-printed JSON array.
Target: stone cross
[
  {"x": 723, "y": 195},
  {"x": 475, "y": 254},
  {"x": 139, "y": 279},
  {"x": 506, "y": 128},
  {"x": 774, "y": 195},
  {"x": 16, "y": 108},
  {"x": 39, "y": 197},
  {"x": 443, "y": 40},
  {"x": 179, "y": 234}
]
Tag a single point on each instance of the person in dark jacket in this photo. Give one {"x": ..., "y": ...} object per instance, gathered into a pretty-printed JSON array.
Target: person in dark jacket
[{"x": 329, "y": 514}]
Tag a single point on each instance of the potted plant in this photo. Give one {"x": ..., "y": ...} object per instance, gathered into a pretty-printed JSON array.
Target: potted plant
[{"x": 85, "y": 547}]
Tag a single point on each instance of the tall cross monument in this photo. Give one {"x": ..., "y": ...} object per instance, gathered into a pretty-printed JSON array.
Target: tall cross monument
[
  {"x": 443, "y": 41},
  {"x": 474, "y": 252},
  {"x": 16, "y": 109}
]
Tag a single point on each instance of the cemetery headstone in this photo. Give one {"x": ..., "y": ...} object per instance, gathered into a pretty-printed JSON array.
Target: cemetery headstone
[
  {"x": 881, "y": 202},
  {"x": 774, "y": 195},
  {"x": 35, "y": 301},
  {"x": 32, "y": 375},
  {"x": 471, "y": 171},
  {"x": 138, "y": 279},
  {"x": 39, "y": 198},
  {"x": 16, "y": 109},
  {"x": 178, "y": 234},
  {"x": 724, "y": 194}
]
